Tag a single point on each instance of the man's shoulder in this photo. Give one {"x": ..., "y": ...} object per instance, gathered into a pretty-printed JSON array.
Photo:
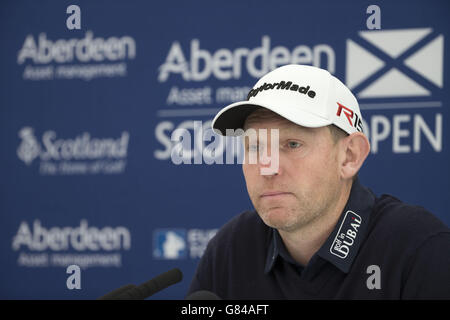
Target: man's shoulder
[{"x": 412, "y": 223}]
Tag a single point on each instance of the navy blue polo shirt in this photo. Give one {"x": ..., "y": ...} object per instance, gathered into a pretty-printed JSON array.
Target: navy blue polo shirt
[{"x": 380, "y": 248}]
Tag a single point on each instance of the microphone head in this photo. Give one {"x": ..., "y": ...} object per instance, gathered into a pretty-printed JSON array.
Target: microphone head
[
  {"x": 153, "y": 286},
  {"x": 202, "y": 295},
  {"x": 133, "y": 292},
  {"x": 161, "y": 282}
]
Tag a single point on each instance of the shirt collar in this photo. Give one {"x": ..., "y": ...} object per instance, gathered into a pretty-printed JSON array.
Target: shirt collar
[
  {"x": 343, "y": 244},
  {"x": 277, "y": 248}
]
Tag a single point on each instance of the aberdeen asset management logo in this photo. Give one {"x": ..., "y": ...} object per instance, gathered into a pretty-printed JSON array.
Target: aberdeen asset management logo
[{"x": 395, "y": 63}]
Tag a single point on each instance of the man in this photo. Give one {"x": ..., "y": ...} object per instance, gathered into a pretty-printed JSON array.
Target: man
[{"x": 317, "y": 233}]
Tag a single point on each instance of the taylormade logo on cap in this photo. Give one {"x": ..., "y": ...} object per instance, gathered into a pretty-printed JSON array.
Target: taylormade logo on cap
[
  {"x": 283, "y": 86},
  {"x": 305, "y": 95}
]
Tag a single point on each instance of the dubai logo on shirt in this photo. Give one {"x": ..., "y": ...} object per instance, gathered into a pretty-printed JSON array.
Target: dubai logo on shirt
[{"x": 346, "y": 235}]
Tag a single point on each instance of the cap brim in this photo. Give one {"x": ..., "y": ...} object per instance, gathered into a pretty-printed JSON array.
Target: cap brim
[{"x": 233, "y": 116}]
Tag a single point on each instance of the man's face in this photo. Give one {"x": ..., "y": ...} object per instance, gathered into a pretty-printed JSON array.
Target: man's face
[{"x": 308, "y": 182}]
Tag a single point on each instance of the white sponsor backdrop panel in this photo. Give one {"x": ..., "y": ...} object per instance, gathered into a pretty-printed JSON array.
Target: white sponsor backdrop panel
[{"x": 87, "y": 117}]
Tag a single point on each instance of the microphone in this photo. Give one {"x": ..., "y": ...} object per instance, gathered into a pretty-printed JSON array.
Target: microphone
[
  {"x": 202, "y": 295},
  {"x": 112, "y": 295},
  {"x": 133, "y": 292}
]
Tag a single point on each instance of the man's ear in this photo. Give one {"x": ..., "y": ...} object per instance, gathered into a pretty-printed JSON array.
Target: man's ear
[{"x": 355, "y": 149}]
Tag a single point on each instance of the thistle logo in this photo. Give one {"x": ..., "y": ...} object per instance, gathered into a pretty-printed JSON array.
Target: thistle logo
[
  {"x": 395, "y": 63},
  {"x": 29, "y": 148}
]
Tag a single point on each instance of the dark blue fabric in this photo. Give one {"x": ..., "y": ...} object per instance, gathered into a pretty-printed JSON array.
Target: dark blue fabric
[{"x": 409, "y": 245}]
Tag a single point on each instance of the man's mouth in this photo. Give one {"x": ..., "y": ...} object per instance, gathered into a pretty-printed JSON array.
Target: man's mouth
[{"x": 273, "y": 194}]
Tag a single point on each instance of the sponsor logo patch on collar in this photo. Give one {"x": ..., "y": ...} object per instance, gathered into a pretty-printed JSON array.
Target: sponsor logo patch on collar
[{"x": 346, "y": 235}]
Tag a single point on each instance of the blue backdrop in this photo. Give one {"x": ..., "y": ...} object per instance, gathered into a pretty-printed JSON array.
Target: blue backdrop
[{"x": 87, "y": 117}]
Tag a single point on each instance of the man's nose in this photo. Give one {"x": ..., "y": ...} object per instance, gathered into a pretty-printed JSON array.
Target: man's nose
[
  {"x": 268, "y": 171},
  {"x": 270, "y": 165}
]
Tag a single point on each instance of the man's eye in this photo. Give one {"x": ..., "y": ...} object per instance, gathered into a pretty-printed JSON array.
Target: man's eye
[{"x": 294, "y": 144}]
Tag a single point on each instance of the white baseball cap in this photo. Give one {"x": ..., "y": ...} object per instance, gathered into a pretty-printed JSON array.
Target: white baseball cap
[{"x": 305, "y": 95}]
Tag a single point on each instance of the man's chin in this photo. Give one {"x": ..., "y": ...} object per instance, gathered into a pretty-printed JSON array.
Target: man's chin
[{"x": 277, "y": 217}]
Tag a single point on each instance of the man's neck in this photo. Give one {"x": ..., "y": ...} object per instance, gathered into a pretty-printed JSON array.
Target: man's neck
[{"x": 303, "y": 243}]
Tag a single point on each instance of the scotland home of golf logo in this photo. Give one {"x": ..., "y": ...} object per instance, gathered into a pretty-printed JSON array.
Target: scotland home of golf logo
[
  {"x": 70, "y": 156},
  {"x": 177, "y": 243}
]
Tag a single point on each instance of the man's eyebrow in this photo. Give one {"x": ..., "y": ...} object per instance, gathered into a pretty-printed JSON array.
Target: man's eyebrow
[
  {"x": 283, "y": 134},
  {"x": 283, "y": 126},
  {"x": 295, "y": 131}
]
